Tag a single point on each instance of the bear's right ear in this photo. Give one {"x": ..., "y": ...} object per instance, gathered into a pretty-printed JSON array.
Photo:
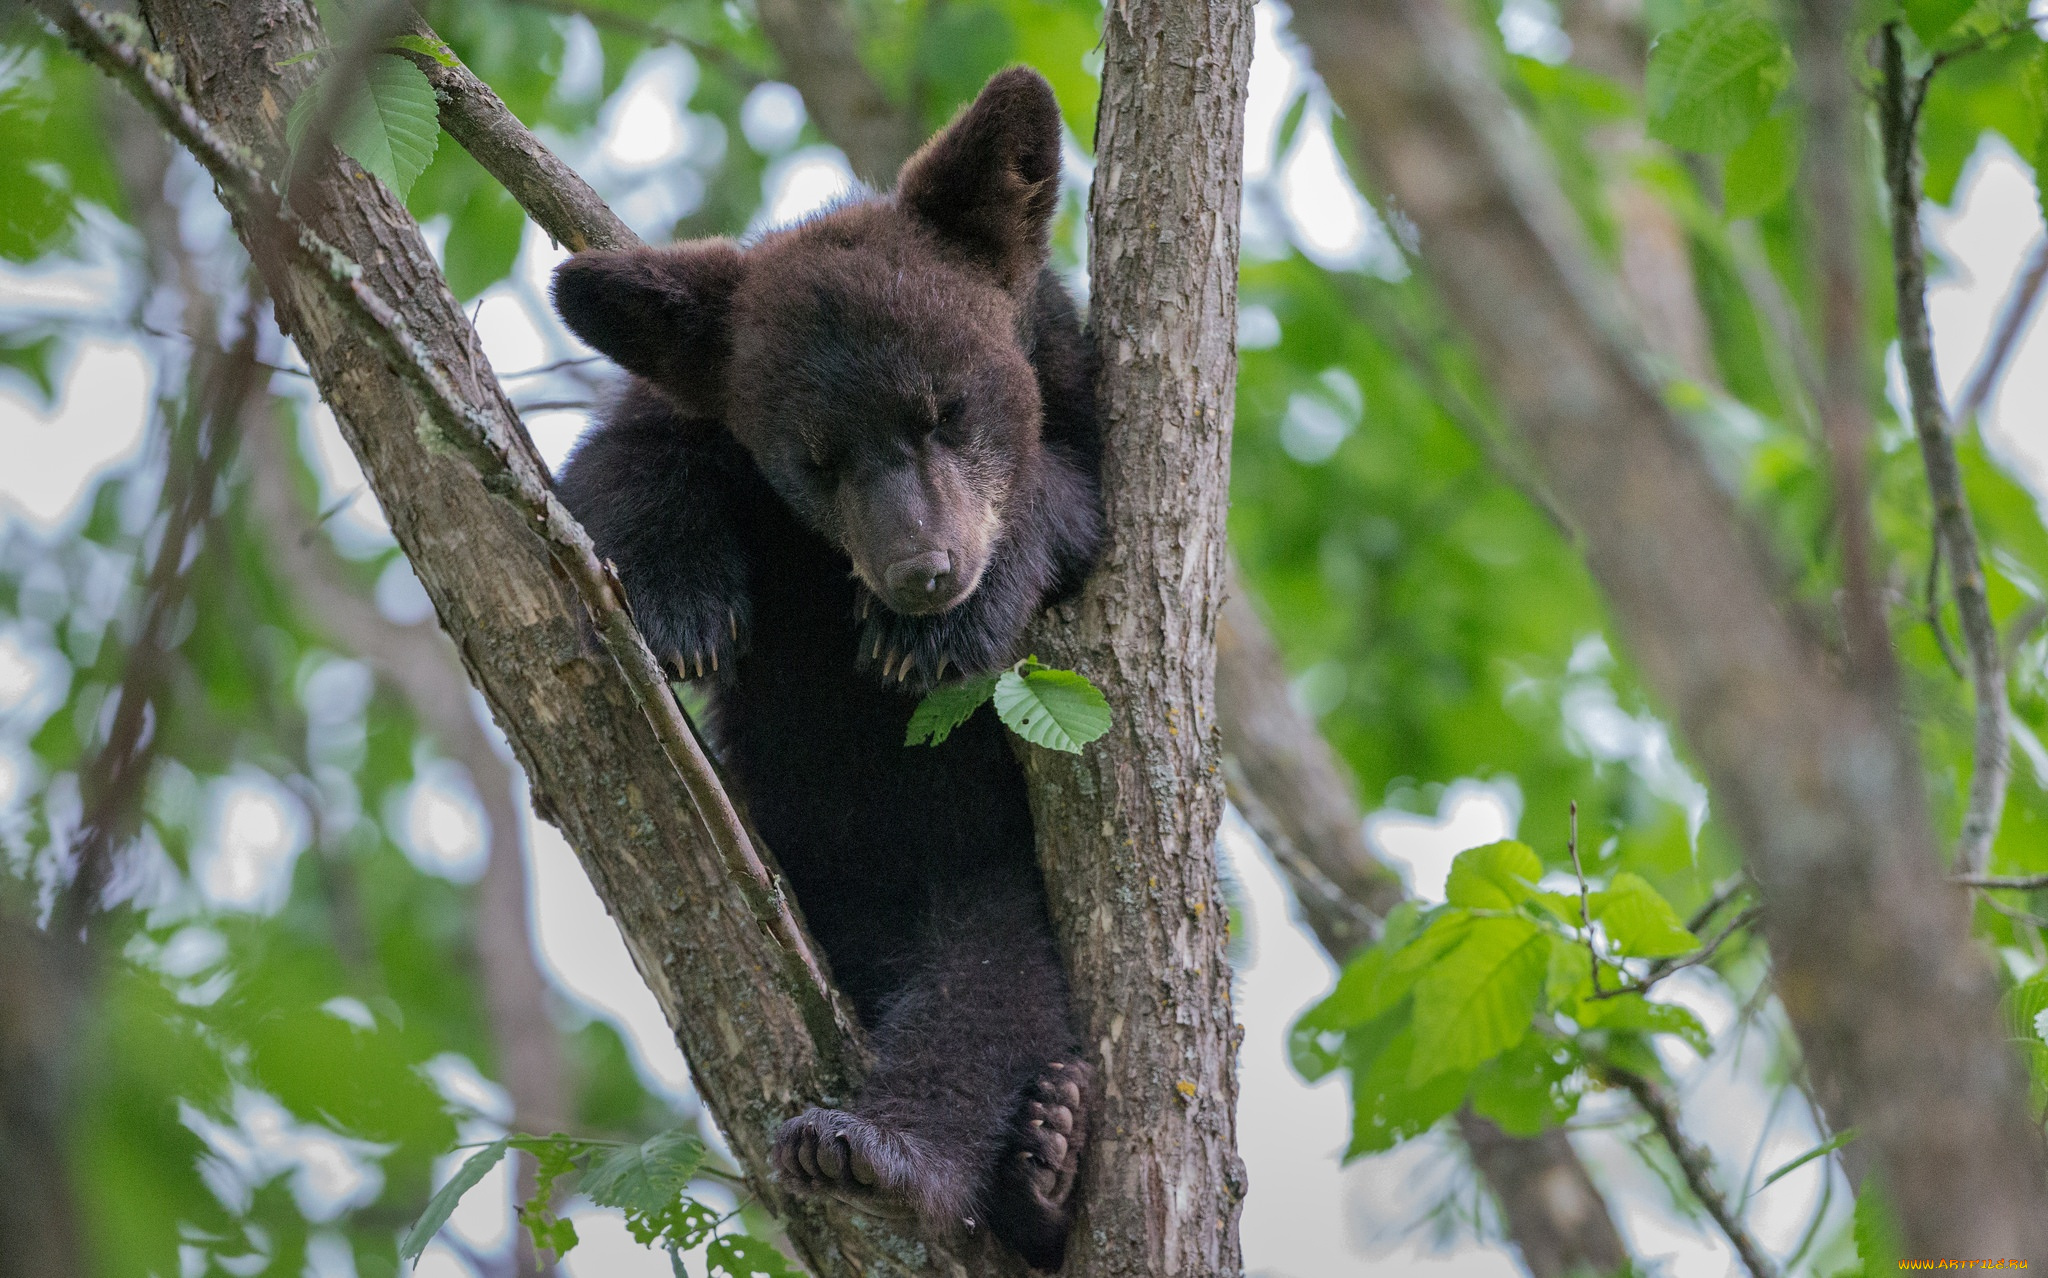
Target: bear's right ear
[
  {"x": 990, "y": 180},
  {"x": 664, "y": 314}
]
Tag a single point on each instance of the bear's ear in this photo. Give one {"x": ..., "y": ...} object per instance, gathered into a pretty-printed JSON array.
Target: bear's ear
[
  {"x": 989, "y": 181},
  {"x": 664, "y": 314}
]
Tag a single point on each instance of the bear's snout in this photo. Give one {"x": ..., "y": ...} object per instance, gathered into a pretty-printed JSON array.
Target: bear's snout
[{"x": 921, "y": 582}]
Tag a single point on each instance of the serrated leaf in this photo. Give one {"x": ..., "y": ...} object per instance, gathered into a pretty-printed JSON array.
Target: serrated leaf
[
  {"x": 1713, "y": 79},
  {"x": 648, "y": 1177},
  {"x": 1496, "y": 876},
  {"x": 1634, "y": 1012},
  {"x": 1639, "y": 921},
  {"x": 744, "y": 1256},
  {"x": 945, "y": 708},
  {"x": 1760, "y": 172},
  {"x": 391, "y": 125},
  {"x": 1477, "y": 1001},
  {"x": 1056, "y": 709},
  {"x": 2023, "y": 1005},
  {"x": 442, "y": 1205}
]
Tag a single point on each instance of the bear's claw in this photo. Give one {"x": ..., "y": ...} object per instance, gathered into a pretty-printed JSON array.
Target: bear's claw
[
  {"x": 844, "y": 1156},
  {"x": 1034, "y": 1194}
]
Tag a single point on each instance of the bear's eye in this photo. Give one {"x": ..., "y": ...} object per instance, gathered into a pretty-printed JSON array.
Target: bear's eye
[{"x": 952, "y": 424}]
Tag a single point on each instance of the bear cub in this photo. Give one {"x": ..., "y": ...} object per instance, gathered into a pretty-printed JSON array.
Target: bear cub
[{"x": 855, "y": 459}]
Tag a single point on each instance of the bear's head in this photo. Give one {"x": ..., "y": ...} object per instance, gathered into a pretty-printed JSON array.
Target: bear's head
[{"x": 874, "y": 359}]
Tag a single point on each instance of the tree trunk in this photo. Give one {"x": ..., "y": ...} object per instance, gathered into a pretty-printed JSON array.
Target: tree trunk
[
  {"x": 1127, "y": 829},
  {"x": 1893, "y": 1004}
]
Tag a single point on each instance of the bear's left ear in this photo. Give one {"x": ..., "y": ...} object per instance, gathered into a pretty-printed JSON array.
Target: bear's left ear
[
  {"x": 989, "y": 181},
  {"x": 664, "y": 314}
]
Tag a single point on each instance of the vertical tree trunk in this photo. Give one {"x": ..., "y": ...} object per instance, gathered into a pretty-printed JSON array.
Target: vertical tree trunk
[{"x": 1127, "y": 829}]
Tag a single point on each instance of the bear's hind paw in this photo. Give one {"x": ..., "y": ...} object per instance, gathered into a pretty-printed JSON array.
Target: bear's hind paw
[
  {"x": 844, "y": 1156},
  {"x": 1033, "y": 1205}
]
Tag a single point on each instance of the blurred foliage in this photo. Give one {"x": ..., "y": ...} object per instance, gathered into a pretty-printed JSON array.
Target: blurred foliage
[{"x": 273, "y": 1078}]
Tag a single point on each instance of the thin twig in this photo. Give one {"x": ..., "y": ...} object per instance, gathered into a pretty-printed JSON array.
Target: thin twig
[
  {"x": 1955, "y": 531},
  {"x": 1726, "y": 892},
  {"x": 1930, "y": 607},
  {"x": 2013, "y": 314},
  {"x": 1571, "y": 844},
  {"x": 1694, "y": 1162},
  {"x": 2017, "y": 882},
  {"x": 479, "y": 438}
]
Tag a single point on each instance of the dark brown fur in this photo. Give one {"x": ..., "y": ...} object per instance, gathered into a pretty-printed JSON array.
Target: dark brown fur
[{"x": 858, "y": 457}]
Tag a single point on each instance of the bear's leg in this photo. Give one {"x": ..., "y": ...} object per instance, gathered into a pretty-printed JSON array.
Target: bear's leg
[{"x": 965, "y": 1088}]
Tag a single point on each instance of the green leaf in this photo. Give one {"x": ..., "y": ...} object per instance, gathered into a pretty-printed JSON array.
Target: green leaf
[
  {"x": 1634, "y": 1012},
  {"x": 483, "y": 240},
  {"x": 435, "y": 49},
  {"x": 1713, "y": 80},
  {"x": 553, "y": 1158},
  {"x": 391, "y": 126},
  {"x": 1570, "y": 977},
  {"x": 1289, "y": 124},
  {"x": 1931, "y": 19},
  {"x": 1057, "y": 709},
  {"x": 648, "y": 1177},
  {"x": 945, "y": 708},
  {"x": 31, "y": 358},
  {"x": 1533, "y": 1086},
  {"x": 1497, "y": 876},
  {"x": 1477, "y": 1001},
  {"x": 2023, "y": 1005},
  {"x": 1639, "y": 921},
  {"x": 1386, "y": 1106},
  {"x": 743, "y": 1256},
  {"x": 1761, "y": 170},
  {"x": 1878, "y": 1241},
  {"x": 1821, "y": 1150},
  {"x": 442, "y": 1204}
]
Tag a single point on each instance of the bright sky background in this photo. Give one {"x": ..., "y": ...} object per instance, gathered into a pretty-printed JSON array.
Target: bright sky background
[{"x": 1305, "y": 1217}]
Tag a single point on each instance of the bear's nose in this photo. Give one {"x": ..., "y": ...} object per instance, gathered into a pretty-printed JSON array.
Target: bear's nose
[{"x": 925, "y": 574}]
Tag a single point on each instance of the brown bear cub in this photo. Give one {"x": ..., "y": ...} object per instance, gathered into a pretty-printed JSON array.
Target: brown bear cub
[{"x": 855, "y": 459}]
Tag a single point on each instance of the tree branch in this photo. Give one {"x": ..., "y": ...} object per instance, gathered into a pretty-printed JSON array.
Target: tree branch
[
  {"x": 1894, "y": 1007},
  {"x": 1955, "y": 531},
  {"x": 2013, "y": 315},
  {"x": 1696, "y": 1164}
]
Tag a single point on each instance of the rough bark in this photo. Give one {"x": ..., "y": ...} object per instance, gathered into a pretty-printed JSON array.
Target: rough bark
[
  {"x": 1893, "y": 1005},
  {"x": 598, "y": 768},
  {"x": 1127, "y": 830},
  {"x": 1295, "y": 792}
]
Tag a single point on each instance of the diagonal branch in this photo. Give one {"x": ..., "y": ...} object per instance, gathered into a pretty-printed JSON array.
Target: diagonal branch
[
  {"x": 2013, "y": 314},
  {"x": 1955, "y": 532},
  {"x": 814, "y": 39},
  {"x": 1894, "y": 1007}
]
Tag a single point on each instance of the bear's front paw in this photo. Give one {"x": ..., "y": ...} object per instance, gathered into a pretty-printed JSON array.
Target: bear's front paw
[
  {"x": 919, "y": 653},
  {"x": 1033, "y": 1205},
  {"x": 697, "y": 638},
  {"x": 845, "y": 1156}
]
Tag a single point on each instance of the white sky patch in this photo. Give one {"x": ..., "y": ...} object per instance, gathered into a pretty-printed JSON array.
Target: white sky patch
[
  {"x": 440, "y": 824},
  {"x": 1275, "y": 81},
  {"x": 353, "y": 520},
  {"x": 1332, "y": 224},
  {"x": 1995, "y": 223},
  {"x": 772, "y": 117},
  {"x": 464, "y": 1086},
  {"x": 190, "y": 951},
  {"x": 512, "y": 341},
  {"x": 803, "y": 182},
  {"x": 330, "y": 1174},
  {"x": 255, "y": 831},
  {"x": 54, "y": 454},
  {"x": 1530, "y": 28},
  {"x": 581, "y": 950},
  {"x": 1471, "y": 813},
  {"x": 644, "y": 125},
  {"x": 400, "y": 596},
  {"x": 34, "y": 678}
]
